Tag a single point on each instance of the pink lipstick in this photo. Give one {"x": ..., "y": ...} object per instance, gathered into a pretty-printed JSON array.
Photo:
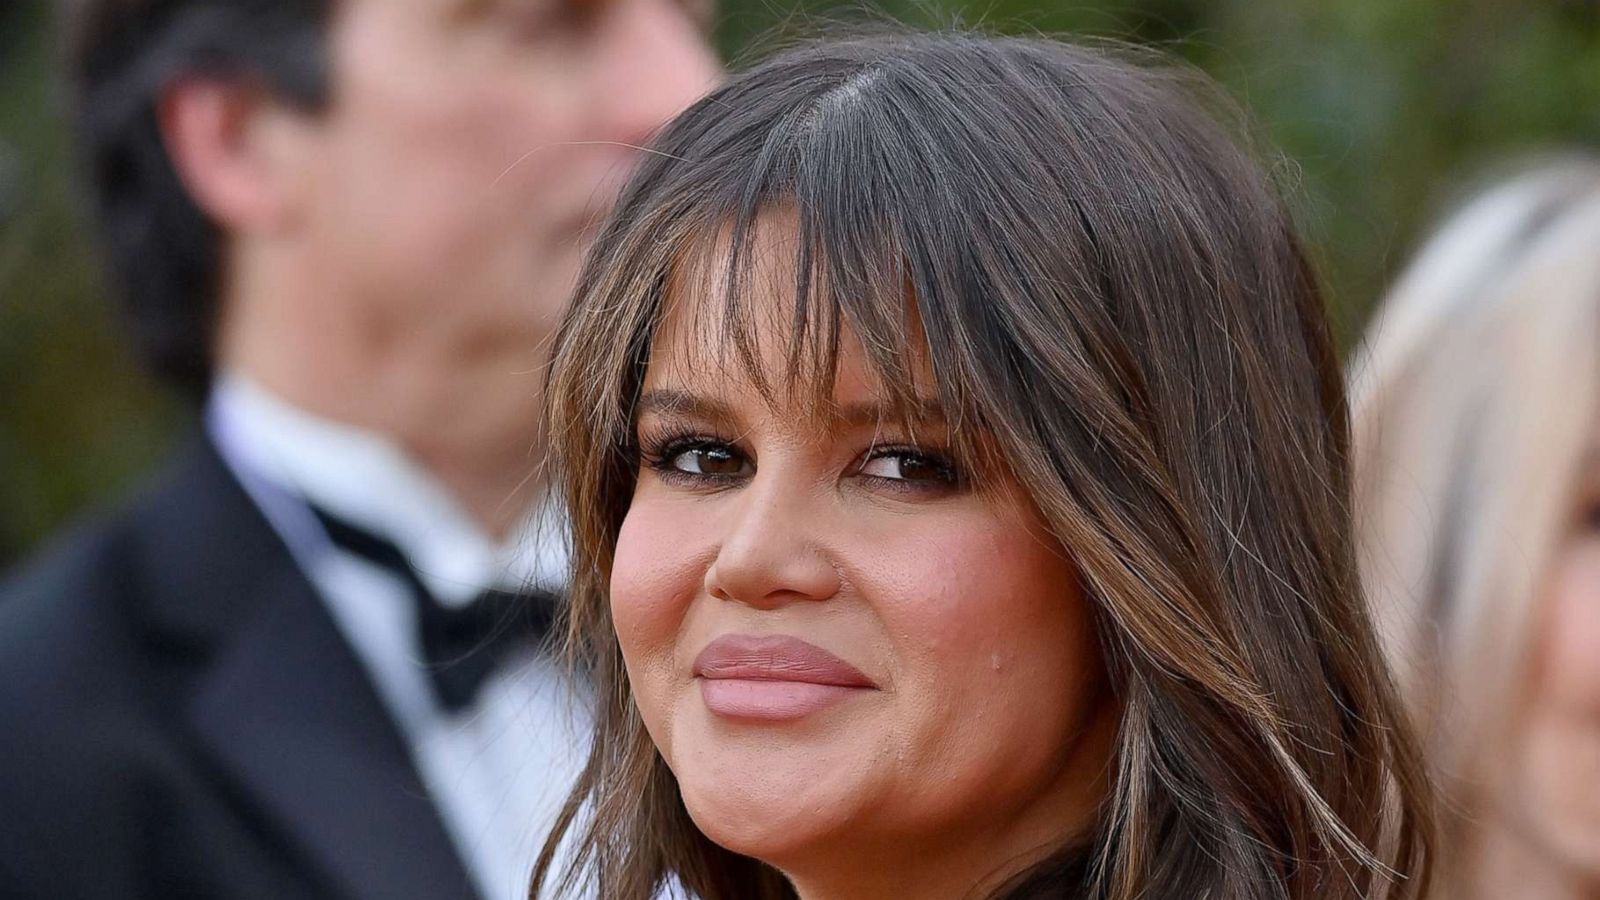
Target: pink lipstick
[{"x": 773, "y": 678}]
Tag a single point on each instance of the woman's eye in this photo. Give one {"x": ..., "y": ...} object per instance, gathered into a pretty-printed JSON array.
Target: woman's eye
[
  {"x": 709, "y": 460},
  {"x": 904, "y": 465}
]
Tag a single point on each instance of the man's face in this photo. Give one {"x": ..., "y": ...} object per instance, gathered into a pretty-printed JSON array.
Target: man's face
[{"x": 467, "y": 147}]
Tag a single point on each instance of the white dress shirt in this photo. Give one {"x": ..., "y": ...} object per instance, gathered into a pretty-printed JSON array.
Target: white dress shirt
[{"x": 498, "y": 770}]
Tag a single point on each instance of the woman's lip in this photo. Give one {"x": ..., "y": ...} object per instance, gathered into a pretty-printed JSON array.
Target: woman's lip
[
  {"x": 773, "y": 678},
  {"x": 776, "y": 658},
  {"x": 754, "y": 700}
]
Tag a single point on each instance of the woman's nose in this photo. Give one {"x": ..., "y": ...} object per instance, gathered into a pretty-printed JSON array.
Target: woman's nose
[{"x": 769, "y": 556}]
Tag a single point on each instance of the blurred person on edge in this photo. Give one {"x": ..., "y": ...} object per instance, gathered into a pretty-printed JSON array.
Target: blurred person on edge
[
  {"x": 294, "y": 666},
  {"x": 1476, "y": 399}
]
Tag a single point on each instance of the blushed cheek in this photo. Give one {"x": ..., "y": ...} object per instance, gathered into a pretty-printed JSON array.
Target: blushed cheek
[
  {"x": 1000, "y": 663},
  {"x": 653, "y": 579},
  {"x": 982, "y": 591},
  {"x": 991, "y": 629},
  {"x": 657, "y": 573}
]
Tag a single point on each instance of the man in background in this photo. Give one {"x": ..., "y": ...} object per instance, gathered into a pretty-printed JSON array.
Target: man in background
[{"x": 289, "y": 668}]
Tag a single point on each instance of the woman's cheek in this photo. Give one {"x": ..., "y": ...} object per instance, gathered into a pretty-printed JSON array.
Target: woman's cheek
[
  {"x": 994, "y": 616},
  {"x": 656, "y": 572},
  {"x": 959, "y": 586},
  {"x": 655, "y": 577}
]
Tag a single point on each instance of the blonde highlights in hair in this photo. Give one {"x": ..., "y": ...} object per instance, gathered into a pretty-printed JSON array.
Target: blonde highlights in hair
[{"x": 1111, "y": 297}]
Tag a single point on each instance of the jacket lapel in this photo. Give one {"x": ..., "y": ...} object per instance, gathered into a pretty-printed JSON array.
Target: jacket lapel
[{"x": 283, "y": 705}]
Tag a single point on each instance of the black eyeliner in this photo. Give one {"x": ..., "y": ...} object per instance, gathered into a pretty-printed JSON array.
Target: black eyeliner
[{"x": 950, "y": 476}]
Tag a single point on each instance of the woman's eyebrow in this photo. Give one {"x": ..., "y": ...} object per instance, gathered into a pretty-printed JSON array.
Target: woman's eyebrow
[
  {"x": 922, "y": 410},
  {"x": 668, "y": 401},
  {"x": 663, "y": 401}
]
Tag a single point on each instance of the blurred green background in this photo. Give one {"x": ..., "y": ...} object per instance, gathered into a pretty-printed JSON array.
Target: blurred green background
[{"x": 1380, "y": 107}]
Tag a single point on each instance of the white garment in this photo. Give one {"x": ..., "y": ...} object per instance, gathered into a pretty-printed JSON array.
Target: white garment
[{"x": 497, "y": 771}]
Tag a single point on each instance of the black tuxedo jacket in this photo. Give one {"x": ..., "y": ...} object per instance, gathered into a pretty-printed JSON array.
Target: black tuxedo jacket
[{"x": 179, "y": 717}]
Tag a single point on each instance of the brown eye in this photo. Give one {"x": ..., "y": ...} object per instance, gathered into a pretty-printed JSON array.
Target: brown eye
[
  {"x": 904, "y": 465},
  {"x": 711, "y": 459}
]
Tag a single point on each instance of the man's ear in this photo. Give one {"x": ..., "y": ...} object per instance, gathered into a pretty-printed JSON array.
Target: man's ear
[{"x": 239, "y": 151}]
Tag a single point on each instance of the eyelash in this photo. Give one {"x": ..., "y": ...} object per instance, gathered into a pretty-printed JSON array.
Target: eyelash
[
  {"x": 949, "y": 478},
  {"x": 658, "y": 452}
]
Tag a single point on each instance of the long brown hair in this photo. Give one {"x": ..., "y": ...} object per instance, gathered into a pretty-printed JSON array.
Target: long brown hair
[{"x": 1112, "y": 297}]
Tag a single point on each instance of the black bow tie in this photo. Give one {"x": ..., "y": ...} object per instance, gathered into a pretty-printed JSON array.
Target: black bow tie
[{"x": 462, "y": 646}]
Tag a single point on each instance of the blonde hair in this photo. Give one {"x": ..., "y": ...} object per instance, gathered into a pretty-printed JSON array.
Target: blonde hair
[{"x": 1466, "y": 453}]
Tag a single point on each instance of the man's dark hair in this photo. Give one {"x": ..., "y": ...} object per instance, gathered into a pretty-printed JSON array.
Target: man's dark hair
[{"x": 164, "y": 253}]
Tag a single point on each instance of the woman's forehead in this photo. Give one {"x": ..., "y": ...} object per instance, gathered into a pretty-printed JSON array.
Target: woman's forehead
[
  {"x": 697, "y": 370},
  {"x": 693, "y": 354},
  {"x": 722, "y": 300}
]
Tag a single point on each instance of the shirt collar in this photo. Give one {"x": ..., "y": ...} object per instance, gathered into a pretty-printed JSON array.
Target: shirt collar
[{"x": 368, "y": 480}]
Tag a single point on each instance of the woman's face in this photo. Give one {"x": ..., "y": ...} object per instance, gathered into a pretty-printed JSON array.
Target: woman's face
[
  {"x": 1555, "y": 791},
  {"x": 837, "y": 640}
]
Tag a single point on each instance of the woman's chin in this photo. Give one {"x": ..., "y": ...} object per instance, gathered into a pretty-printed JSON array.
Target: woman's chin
[
  {"x": 770, "y": 816},
  {"x": 761, "y": 788}
]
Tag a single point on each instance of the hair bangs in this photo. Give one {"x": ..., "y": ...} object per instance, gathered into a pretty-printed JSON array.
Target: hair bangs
[
  {"x": 781, "y": 270},
  {"x": 1048, "y": 254}
]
